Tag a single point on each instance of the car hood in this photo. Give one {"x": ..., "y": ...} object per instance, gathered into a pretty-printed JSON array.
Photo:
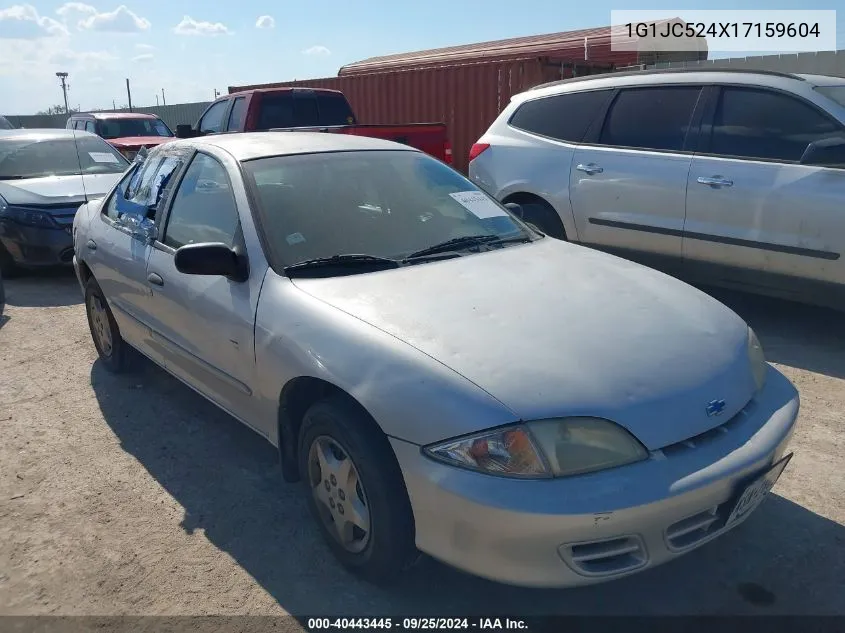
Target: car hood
[
  {"x": 57, "y": 190},
  {"x": 551, "y": 329},
  {"x": 138, "y": 141}
]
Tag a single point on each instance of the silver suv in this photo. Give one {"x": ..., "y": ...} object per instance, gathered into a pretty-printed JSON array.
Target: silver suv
[{"x": 733, "y": 178}]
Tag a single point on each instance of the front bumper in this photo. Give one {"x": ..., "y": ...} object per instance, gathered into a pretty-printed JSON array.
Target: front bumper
[
  {"x": 596, "y": 527},
  {"x": 33, "y": 246}
]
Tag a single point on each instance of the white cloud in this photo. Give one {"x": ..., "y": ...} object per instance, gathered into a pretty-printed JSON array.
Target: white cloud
[
  {"x": 121, "y": 20},
  {"x": 72, "y": 8},
  {"x": 189, "y": 26},
  {"x": 86, "y": 60},
  {"x": 145, "y": 57},
  {"x": 265, "y": 22},
  {"x": 22, "y": 21},
  {"x": 145, "y": 47},
  {"x": 317, "y": 51}
]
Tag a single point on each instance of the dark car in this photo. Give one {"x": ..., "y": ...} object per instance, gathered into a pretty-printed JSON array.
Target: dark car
[{"x": 45, "y": 175}]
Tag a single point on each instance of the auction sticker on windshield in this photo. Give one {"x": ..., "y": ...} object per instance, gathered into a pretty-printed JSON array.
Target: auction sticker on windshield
[
  {"x": 478, "y": 204},
  {"x": 103, "y": 157}
]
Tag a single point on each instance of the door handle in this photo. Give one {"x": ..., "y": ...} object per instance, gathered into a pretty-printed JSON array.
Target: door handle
[
  {"x": 590, "y": 168},
  {"x": 155, "y": 279},
  {"x": 716, "y": 181},
  {"x": 92, "y": 245}
]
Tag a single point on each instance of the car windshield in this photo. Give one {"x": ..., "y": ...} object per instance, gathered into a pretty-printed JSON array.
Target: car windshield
[
  {"x": 837, "y": 93},
  {"x": 40, "y": 157},
  {"x": 122, "y": 128},
  {"x": 388, "y": 204}
]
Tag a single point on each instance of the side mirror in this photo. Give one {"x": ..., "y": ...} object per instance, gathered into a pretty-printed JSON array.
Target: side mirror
[
  {"x": 828, "y": 152},
  {"x": 211, "y": 258},
  {"x": 184, "y": 130}
]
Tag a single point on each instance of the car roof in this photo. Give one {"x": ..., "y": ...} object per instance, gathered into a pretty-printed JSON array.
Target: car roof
[
  {"x": 247, "y": 91},
  {"x": 43, "y": 134},
  {"x": 113, "y": 115},
  {"x": 249, "y": 145},
  {"x": 653, "y": 77}
]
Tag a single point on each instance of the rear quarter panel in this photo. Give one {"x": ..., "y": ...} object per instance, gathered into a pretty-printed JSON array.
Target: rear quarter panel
[{"x": 518, "y": 162}]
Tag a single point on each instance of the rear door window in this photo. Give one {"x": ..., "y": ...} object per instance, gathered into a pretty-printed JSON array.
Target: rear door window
[
  {"x": 651, "y": 118},
  {"x": 237, "y": 115},
  {"x": 754, "y": 123},
  {"x": 564, "y": 117}
]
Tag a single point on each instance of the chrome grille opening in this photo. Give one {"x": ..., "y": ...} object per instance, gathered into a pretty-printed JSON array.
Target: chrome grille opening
[
  {"x": 711, "y": 435},
  {"x": 605, "y": 558}
]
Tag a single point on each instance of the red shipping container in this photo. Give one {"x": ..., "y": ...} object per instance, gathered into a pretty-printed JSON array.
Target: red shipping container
[{"x": 466, "y": 87}]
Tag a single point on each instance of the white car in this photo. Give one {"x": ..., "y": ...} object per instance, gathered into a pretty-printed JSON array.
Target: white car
[
  {"x": 423, "y": 367},
  {"x": 732, "y": 178}
]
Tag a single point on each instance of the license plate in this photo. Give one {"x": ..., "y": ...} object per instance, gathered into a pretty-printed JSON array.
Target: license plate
[{"x": 755, "y": 492}]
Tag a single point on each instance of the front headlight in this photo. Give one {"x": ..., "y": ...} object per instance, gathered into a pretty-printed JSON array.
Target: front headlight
[
  {"x": 759, "y": 366},
  {"x": 544, "y": 448},
  {"x": 29, "y": 217}
]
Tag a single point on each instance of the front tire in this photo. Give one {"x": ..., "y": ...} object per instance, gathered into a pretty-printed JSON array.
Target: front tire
[
  {"x": 356, "y": 491},
  {"x": 8, "y": 268},
  {"x": 110, "y": 346}
]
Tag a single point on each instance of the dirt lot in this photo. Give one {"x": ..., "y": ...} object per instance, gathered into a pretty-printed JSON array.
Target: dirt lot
[{"x": 132, "y": 495}]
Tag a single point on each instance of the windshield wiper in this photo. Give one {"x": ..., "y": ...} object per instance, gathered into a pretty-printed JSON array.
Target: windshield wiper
[
  {"x": 515, "y": 239},
  {"x": 455, "y": 243},
  {"x": 344, "y": 260}
]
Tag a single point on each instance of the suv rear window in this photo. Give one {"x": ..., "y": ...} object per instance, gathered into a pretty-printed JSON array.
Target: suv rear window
[
  {"x": 563, "y": 117},
  {"x": 291, "y": 109},
  {"x": 650, "y": 118}
]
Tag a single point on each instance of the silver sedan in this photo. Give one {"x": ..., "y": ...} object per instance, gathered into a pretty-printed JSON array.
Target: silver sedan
[{"x": 438, "y": 375}]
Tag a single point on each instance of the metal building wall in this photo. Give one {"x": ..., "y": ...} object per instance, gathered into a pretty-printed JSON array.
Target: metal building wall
[
  {"x": 172, "y": 115},
  {"x": 821, "y": 63},
  {"x": 467, "y": 98}
]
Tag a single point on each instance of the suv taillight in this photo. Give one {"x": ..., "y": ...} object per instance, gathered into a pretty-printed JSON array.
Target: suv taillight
[{"x": 476, "y": 150}]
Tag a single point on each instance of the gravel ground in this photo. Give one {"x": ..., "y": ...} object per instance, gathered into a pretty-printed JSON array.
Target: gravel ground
[{"x": 133, "y": 495}]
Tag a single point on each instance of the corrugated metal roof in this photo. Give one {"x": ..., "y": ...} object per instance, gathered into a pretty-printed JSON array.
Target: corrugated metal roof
[{"x": 551, "y": 45}]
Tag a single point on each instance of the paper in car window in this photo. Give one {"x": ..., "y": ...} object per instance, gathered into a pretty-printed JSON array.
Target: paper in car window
[
  {"x": 478, "y": 204},
  {"x": 103, "y": 157}
]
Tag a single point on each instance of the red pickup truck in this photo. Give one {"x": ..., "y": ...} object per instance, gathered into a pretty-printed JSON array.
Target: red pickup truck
[{"x": 306, "y": 109}]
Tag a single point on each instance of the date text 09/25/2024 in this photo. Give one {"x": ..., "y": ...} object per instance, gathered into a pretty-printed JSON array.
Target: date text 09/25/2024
[{"x": 414, "y": 624}]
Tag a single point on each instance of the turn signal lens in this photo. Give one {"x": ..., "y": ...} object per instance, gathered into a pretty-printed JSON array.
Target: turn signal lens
[
  {"x": 508, "y": 451},
  {"x": 759, "y": 366}
]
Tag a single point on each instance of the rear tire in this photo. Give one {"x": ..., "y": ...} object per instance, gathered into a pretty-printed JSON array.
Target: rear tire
[
  {"x": 111, "y": 347},
  {"x": 351, "y": 478}
]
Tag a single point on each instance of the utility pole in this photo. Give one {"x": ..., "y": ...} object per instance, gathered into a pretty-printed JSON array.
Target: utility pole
[
  {"x": 113, "y": 105},
  {"x": 63, "y": 78},
  {"x": 163, "y": 102},
  {"x": 128, "y": 94},
  {"x": 216, "y": 93},
  {"x": 156, "y": 100}
]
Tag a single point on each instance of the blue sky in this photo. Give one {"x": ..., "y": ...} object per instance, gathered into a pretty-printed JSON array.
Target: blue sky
[{"x": 189, "y": 47}]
